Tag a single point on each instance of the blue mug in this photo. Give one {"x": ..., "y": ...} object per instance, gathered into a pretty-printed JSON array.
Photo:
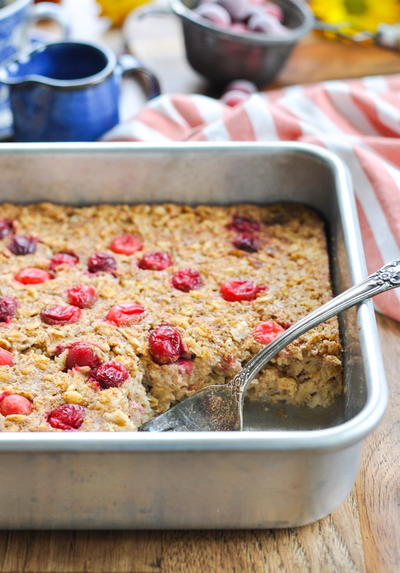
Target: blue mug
[{"x": 68, "y": 91}]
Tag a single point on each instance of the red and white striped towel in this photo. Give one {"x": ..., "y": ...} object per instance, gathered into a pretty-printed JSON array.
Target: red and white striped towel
[{"x": 357, "y": 119}]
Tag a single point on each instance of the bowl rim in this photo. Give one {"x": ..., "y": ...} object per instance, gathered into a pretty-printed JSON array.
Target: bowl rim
[{"x": 255, "y": 39}]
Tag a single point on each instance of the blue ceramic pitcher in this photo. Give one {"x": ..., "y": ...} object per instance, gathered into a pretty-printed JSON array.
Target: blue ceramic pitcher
[{"x": 68, "y": 91}]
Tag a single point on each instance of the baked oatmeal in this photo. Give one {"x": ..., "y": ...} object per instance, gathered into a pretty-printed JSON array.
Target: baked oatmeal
[{"x": 111, "y": 314}]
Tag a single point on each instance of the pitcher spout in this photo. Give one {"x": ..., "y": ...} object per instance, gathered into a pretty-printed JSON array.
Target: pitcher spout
[
  {"x": 23, "y": 69},
  {"x": 10, "y": 77}
]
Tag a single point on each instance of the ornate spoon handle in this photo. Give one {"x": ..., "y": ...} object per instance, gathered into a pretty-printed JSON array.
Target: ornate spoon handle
[{"x": 386, "y": 278}]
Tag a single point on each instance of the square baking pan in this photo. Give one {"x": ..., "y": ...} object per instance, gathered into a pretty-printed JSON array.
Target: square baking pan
[{"x": 285, "y": 469}]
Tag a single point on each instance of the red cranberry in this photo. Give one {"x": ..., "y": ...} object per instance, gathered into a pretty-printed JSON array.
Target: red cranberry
[
  {"x": 6, "y": 227},
  {"x": 15, "y": 404},
  {"x": 240, "y": 290},
  {"x": 8, "y": 308},
  {"x": 266, "y": 24},
  {"x": 186, "y": 366},
  {"x": 60, "y": 314},
  {"x": 32, "y": 276},
  {"x": 236, "y": 8},
  {"x": 232, "y": 98},
  {"x": 244, "y": 224},
  {"x": 274, "y": 10},
  {"x": 125, "y": 313},
  {"x": 82, "y": 296},
  {"x": 20, "y": 245},
  {"x": 186, "y": 280},
  {"x": 239, "y": 28},
  {"x": 58, "y": 349},
  {"x": 6, "y": 358},
  {"x": 102, "y": 262},
  {"x": 266, "y": 332},
  {"x": 157, "y": 261},
  {"x": 3, "y": 394},
  {"x": 242, "y": 86},
  {"x": 63, "y": 260},
  {"x": 165, "y": 344},
  {"x": 67, "y": 417},
  {"x": 246, "y": 242},
  {"x": 111, "y": 374},
  {"x": 82, "y": 354},
  {"x": 126, "y": 244},
  {"x": 214, "y": 13}
]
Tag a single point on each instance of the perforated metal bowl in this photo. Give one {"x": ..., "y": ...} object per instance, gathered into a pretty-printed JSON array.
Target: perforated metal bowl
[{"x": 222, "y": 56}]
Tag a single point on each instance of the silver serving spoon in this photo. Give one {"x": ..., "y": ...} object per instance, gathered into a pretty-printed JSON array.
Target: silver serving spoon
[{"x": 220, "y": 408}]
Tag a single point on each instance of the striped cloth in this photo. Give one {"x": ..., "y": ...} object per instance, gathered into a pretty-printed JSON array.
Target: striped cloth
[{"x": 357, "y": 119}]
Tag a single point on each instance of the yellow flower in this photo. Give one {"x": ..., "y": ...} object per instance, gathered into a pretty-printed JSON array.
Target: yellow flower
[
  {"x": 118, "y": 10},
  {"x": 357, "y": 15}
]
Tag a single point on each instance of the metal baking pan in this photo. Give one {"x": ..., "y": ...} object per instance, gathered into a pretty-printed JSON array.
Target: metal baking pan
[{"x": 283, "y": 471}]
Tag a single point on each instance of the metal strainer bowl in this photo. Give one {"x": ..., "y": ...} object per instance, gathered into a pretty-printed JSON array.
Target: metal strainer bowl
[{"x": 222, "y": 55}]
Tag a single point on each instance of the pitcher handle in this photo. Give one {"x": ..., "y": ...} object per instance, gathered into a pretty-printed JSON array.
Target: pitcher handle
[
  {"x": 128, "y": 64},
  {"x": 46, "y": 11}
]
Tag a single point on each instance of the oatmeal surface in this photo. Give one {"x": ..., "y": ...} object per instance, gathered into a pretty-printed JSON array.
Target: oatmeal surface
[{"x": 279, "y": 249}]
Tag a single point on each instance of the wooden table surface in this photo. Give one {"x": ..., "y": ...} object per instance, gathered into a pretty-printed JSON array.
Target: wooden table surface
[{"x": 363, "y": 535}]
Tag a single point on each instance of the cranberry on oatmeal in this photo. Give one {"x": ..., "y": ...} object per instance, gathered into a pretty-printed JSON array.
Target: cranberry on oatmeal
[{"x": 98, "y": 334}]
